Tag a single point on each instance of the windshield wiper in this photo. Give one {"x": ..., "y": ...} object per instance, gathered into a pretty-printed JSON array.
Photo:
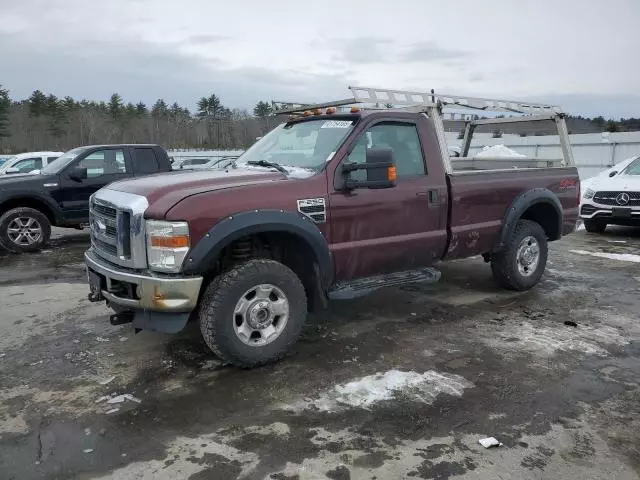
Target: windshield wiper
[
  {"x": 223, "y": 159},
  {"x": 265, "y": 163}
]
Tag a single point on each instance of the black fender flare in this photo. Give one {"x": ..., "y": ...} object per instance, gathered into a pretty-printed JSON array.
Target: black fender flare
[
  {"x": 251, "y": 222},
  {"x": 520, "y": 205}
]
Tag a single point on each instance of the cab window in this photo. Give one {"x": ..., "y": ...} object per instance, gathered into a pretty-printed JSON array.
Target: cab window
[
  {"x": 403, "y": 140},
  {"x": 104, "y": 162}
]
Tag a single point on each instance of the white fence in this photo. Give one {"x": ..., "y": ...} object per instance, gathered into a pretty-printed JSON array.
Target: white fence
[{"x": 593, "y": 152}]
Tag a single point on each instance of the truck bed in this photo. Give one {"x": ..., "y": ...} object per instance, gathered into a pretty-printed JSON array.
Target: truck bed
[{"x": 478, "y": 202}]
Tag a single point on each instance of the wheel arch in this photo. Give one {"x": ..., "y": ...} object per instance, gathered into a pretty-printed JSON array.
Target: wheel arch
[
  {"x": 297, "y": 236},
  {"x": 36, "y": 203},
  {"x": 539, "y": 205}
]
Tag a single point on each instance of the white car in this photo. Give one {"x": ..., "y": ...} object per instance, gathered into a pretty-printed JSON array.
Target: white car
[
  {"x": 28, "y": 162},
  {"x": 211, "y": 163},
  {"x": 613, "y": 198}
]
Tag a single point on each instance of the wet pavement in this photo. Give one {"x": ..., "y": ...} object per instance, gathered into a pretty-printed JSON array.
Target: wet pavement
[{"x": 401, "y": 384}]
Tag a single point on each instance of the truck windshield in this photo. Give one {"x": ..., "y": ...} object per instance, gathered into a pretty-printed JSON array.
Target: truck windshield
[
  {"x": 61, "y": 162},
  {"x": 302, "y": 148}
]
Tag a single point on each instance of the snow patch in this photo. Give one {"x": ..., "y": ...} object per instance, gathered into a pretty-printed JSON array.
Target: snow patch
[
  {"x": 547, "y": 340},
  {"x": 372, "y": 389},
  {"x": 623, "y": 257},
  {"x": 498, "y": 151}
]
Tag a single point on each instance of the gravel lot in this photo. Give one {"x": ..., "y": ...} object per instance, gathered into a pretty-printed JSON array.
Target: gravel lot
[{"x": 455, "y": 362}]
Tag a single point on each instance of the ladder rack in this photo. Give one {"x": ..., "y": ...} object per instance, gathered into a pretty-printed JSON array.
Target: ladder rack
[
  {"x": 429, "y": 99},
  {"x": 420, "y": 101},
  {"x": 433, "y": 104}
]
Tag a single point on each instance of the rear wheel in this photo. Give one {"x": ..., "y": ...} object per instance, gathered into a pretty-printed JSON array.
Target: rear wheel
[
  {"x": 24, "y": 230},
  {"x": 254, "y": 313},
  {"x": 521, "y": 263},
  {"x": 595, "y": 226}
]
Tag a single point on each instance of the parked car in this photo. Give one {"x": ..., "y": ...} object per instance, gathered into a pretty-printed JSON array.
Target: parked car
[
  {"x": 612, "y": 198},
  {"x": 330, "y": 205},
  {"x": 187, "y": 163},
  {"x": 215, "y": 162},
  {"x": 28, "y": 162},
  {"x": 59, "y": 194}
]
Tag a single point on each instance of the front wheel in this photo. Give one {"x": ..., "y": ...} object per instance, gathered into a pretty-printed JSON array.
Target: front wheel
[
  {"x": 594, "y": 226},
  {"x": 521, "y": 263},
  {"x": 24, "y": 230},
  {"x": 253, "y": 314}
]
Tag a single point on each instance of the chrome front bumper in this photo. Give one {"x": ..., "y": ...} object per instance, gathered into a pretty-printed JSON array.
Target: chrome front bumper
[{"x": 157, "y": 294}]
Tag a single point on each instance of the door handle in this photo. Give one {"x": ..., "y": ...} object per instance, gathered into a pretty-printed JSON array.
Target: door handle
[{"x": 434, "y": 197}]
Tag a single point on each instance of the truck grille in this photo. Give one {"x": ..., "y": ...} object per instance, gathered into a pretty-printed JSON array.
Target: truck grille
[
  {"x": 611, "y": 198},
  {"x": 117, "y": 227}
]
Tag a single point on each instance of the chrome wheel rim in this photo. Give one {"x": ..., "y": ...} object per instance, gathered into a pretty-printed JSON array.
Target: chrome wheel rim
[
  {"x": 261, "y": 315},
  {"x": 528, "y": 256},
  {"x": 24, "y": 231}
]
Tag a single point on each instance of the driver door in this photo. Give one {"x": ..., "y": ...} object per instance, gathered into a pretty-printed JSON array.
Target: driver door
[{"x": 103, "y": 167}]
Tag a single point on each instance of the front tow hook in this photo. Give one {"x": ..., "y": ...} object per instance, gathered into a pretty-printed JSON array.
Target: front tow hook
[
  {"x": 95, "y": 296},
  {"x": 121, "y": 318}
]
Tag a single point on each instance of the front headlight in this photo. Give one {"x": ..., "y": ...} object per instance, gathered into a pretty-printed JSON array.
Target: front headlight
[
  {"x": 588, "y": 194},
  {"x": 167, "y": 245}
]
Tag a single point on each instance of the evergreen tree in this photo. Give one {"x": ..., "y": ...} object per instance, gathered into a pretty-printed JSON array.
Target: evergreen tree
[
  {"x": 5, "y": 105},
  {"x": 176, "y": 110},
  {"x": 262, "y": 109},
  {"x": 37, "y": 103},
  {"x": 211, "y": 107},
  {"x": 51, "y": 105},
  {"x": 130, "y": 110},
  {"x": 141, "y": 109},
  {"x": 69, "y": 104},
  {"x": 159, "y": 108},
  {"x": 115, "y": 106}
]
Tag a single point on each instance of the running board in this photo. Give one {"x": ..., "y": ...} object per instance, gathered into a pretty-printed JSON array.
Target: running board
[{"x": 364, "y": 286}]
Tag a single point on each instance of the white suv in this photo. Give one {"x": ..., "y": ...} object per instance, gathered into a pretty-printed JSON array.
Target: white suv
[
  {"x": 28, "y": 162},
  {"x": 612, "y": 199}
]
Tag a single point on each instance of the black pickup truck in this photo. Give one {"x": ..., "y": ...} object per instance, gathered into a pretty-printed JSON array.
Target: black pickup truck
[{"x": 59, "y": 194}]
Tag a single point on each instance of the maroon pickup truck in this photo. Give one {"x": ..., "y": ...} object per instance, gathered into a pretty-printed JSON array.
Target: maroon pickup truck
[{"x": 335, "y": 203}]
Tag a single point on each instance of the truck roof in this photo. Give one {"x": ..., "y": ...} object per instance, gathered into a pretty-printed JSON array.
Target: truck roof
[
  {"x": 122, "y": 145},
  {"x": 35, "y": 154}
]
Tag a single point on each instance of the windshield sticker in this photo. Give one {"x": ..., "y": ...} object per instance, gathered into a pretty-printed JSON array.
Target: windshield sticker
[
  {"x": 337, "y": 124},
  {"x": 330, "y": 156}
]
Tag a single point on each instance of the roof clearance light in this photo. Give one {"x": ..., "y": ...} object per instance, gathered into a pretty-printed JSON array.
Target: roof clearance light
[
  {"x": 355, "y": 109},
  {"x": 307, "y": 113},
  {"x": 331, "y": 110},
  {"x": 317, "y": 111}
]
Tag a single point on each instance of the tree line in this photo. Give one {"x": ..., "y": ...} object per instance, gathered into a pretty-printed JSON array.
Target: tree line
[{"x": 46, "y": 122}]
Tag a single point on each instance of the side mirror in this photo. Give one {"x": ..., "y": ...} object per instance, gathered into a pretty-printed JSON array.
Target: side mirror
[
  {"x": 78, "y": 174},
  {"x": 380, "y": 167},
  {"x": 12, "y": 170},
  {"x": 613, "y": 174}
]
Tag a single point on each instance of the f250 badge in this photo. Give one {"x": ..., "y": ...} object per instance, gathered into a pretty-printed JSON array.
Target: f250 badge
[{"x": 313, "y": 208}]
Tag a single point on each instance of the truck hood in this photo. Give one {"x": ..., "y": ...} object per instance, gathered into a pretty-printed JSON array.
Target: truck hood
[
  {"x": 164, "y": 190},
  {"x": 19, "y": 181}
]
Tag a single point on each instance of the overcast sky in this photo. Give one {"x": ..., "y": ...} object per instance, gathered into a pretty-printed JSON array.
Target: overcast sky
[{"x": 581, "y": 54}]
